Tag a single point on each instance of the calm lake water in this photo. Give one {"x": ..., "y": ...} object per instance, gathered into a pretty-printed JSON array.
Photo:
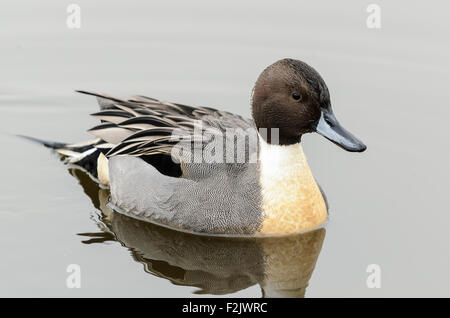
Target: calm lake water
[{"x": 388, "y": 206}]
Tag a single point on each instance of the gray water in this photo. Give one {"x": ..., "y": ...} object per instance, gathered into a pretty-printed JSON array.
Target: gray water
[{"x": 389, "y": 86}]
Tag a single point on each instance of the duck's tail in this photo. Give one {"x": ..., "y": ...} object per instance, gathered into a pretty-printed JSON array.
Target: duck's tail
[
  {"x": 83, "y": 154},
  {"x": 45, "y": 143}
]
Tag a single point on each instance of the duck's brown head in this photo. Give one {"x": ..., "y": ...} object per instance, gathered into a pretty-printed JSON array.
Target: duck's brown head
[{"x": 292, "y": 97}]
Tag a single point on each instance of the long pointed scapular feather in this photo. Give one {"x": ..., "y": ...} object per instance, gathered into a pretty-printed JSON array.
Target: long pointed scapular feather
[{"x": 144, "y": 126}]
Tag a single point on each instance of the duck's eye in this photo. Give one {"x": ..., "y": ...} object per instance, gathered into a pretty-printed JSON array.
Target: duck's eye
[{"x": 296, "y": 96}]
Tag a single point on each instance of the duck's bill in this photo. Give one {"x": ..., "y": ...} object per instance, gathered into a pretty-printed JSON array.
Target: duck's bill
[{"x": 329, "y": 127}]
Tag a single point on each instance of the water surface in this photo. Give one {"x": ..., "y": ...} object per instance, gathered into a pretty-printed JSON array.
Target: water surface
[{"x": 388, "y": 206}]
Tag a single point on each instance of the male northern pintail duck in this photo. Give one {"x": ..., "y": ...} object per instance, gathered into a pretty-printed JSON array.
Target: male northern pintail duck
[{"x": 270, "y": 191}]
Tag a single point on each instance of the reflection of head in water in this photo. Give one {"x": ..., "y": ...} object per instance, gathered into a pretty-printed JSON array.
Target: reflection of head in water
[{"x": 282, "y": 265}]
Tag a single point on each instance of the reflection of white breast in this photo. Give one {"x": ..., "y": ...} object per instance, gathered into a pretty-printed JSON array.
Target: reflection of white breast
[{"x": 291, "y": 199}]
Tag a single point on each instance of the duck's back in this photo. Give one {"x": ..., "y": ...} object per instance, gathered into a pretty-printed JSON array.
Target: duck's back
[{"x": 213, "y": 189}]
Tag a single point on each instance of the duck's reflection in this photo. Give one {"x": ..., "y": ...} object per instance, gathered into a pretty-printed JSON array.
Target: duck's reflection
[{"x": 282, "y": 266}]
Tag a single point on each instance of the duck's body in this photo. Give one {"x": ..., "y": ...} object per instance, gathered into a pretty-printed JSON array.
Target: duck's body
[
  {"x": 270, "y": 191},
  {"x": 233, "y": 199}
]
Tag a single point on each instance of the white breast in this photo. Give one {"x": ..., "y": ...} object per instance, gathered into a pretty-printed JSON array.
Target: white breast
[{"x": 291, "y": 199}]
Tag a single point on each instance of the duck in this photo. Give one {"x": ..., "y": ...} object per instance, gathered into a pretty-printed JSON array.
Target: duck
[{"x": 170, "y": 164}]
